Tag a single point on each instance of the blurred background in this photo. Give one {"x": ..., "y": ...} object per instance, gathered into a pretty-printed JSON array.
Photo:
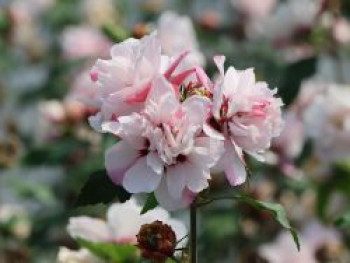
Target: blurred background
[{"x": 48, "y": 150}]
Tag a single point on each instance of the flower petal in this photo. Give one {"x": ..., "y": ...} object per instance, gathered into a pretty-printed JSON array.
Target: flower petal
[
  {"x": 118, "y": 159},
  {"x": 154, "y": 161},
  {"x": 167, "y": 201},
  {"x": 141, "y": 178},
  {"x": 90, "y": 229},
  {"x": 124, "y": 228},
  {"x": 232, "y": 164},
  {"x": 176, "y": 179}
]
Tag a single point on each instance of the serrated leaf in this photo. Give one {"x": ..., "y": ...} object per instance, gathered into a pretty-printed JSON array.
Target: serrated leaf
[
  {"x": 278, "y": 212},
  {"x": 100, "y": 189},
  {"x": 112, "y": 252},
  {"x": 150, "y": 203},
  {"x": 343, "y": 221}
]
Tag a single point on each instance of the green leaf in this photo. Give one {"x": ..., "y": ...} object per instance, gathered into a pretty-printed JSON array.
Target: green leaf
[
  {"x": 343, "y": 221},
  {"x": 278, "y": 212},
  {"x": 115, "y": 32},
  {"x": 294, "y": 75},
  {"x": 100, "y": 189},
  {"x": 112, "y": 252},
  {"x": 54, "y": 153},
  {"x": 150, "y": 203}
]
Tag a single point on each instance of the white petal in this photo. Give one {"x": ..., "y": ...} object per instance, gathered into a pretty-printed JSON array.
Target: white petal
[
  {"x": 176, "y": 179},
  {"x": 111, "y": 127},
  {"x": 219, "y": 62},
  {"x": 157, "y": 213},
  {"x": 124, "y": 221},
  {"x": 118, "y": 159},
  {"x": 235, "y": 172},
  {"x": 90, "y": 229},
  {"x": 66, "y": 255},
  {"x": 209, "y": 131},
  {"x": 197, "y": 179},
  {"x": 232, "y": 165},
  {"x": 167, "y": 201},
  {"x": 207, "y": 152},
  {"x": 95, "y": 122},
  {"x": 197, "y": 108},
  {"x": 246, "y": 78},
  {"x": 140, "y": 178},
  {"x": 155, "y": 162},
  {"x": 180, "y": 231}
]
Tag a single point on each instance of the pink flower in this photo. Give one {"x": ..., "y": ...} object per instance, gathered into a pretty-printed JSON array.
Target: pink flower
[
  {"x": 327, "y": 121},
  {"x": 176, "y": 34},
  {"x": 254, "y": 9},
  {"x": 163, "y": 149},
  {"x": 283, "y": 250},
  {"x": 124, "y": 81},
  {"x": 289, "y": 144},
  {"x": 124, "y": 221},
  {"x": 314, "y": 238},
  {"x": 246, "y": 115},
  {"x": 83, "y": 255},
  {"x": 83, "y": 41},
  {"x": 341, "y": 31}
]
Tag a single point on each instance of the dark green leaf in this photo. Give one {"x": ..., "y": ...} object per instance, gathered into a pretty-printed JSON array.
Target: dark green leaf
[
  {"x": 54, "y": 153},
  {"x": 278, "y": 212},
  {"x": 100, "y": 189},
  {"x": 112, "y": 252},
  {"x": 294, "y": 75},
  {"x": 150, "y": 203},
  {"x": 343, "y": 221}
]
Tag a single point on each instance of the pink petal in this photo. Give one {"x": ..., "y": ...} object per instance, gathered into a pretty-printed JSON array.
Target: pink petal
[
  {"x": 219, "y": 62},
  {"x": 203, "y": 78},
  {"x": 170, "y": 203},
  {"x": 176, "y": 179},
  {"x": 232, "y": 164},
  {"x": 175, "y": 64},
  {"x": 179, "y": 79},
  {"x": 141, "y": 178},
  {"x": 154, "y": 161},
  {"x": 118, "y": 159}
]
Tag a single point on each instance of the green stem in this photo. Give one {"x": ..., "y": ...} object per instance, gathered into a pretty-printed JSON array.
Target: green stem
[{"x": 193, "y": 234}]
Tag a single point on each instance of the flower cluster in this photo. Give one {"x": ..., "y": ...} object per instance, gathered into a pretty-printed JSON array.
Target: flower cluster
[{"x": 175, "y": 125}]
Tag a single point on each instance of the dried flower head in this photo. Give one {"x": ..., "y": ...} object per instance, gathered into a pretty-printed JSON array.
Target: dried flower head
[{"x": 157, "y": 241}]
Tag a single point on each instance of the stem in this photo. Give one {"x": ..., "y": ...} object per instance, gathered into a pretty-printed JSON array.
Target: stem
[{"x": 193, "y": 234}]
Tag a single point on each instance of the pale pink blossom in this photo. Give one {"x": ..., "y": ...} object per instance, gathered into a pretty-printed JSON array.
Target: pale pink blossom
[
  {"x": 163, "y": 149},
  {"x": 289, "y": 144},
  {"x": 341, "y": 30},
  {"x": 124, "y": 81},
  {"x": 313, "y": 237},
  {"x": 327, "y": 122},
  {"x": 177, "y": 34},
  {"x": 246, "y": 114},
  {"x": 80, "y": 100},
  {"x": 286, "y": 27},
  {"x": 282, "y": 249},
  {"x": 83, "y": 42},
  {"x": 123, "y": 223},
  {"x": 254, "y": 9},
  {"x": 289, "y": 18},
  {"x": 83, "y": 255}
]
